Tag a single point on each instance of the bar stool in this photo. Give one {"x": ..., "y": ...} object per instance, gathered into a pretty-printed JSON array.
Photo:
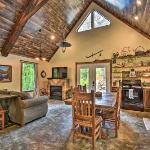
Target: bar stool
[{"x": 2, "y": 118}]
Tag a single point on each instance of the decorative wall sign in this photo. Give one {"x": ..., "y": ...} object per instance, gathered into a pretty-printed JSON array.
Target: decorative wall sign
[
  {"x": 93, "y": 54},
  {"x": 43, "y": 74},
  {"x": 5, "y": 73}
]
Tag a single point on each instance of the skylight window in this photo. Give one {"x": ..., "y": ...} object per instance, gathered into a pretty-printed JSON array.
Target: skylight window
[
  {"x": 93, "y": 20},
  {"x": 121, "y": 4}
]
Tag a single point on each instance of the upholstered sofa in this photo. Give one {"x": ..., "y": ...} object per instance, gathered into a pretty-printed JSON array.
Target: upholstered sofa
[{"x": 25, "y": 109}]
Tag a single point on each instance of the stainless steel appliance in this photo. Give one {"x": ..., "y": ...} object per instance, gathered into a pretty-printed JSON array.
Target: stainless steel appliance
[{"x": 132, "y": 95}]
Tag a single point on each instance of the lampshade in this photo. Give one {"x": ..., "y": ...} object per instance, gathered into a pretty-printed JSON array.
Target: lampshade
[{"x": 63, "y": 44}]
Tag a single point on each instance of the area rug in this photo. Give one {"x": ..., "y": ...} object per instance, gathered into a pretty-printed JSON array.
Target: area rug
[
  {"x": 47, "y": 133},
  {"x": 53, "y": 132},
  {"x": 147, "y": 123}
]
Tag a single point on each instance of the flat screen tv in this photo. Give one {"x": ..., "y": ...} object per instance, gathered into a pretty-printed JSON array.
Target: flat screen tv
[{"x": 59, "y": 72}]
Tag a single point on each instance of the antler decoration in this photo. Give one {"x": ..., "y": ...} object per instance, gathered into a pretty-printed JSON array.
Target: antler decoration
[{"x": 93, "y": 54}]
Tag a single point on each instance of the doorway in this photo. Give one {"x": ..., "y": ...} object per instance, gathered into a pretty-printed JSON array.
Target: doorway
[{"x": 96, "y": 75}]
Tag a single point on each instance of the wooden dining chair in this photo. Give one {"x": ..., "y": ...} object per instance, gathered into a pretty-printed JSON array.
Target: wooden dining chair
[
  {"x": 83, "y": 108},
  {"x": 113, "y": 115},
  {"x": 82, "y": 88},
  {"x": 2, "y": 118}
]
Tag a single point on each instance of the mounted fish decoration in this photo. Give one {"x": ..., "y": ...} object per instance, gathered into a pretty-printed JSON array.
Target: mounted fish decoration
[{"x": 93, "y": 54}]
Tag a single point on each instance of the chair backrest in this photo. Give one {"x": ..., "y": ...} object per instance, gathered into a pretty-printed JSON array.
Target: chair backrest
[
  {"x": 84, "y": 105},
  {"x": 82, "y": 88}
]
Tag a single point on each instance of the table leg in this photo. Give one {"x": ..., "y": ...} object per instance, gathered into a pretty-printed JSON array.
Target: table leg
[{"x": 3, "y": 120}]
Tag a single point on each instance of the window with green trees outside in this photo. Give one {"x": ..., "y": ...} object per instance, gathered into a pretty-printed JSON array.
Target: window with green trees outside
[
  {"x": 84, "y": 77},
  {"x": 28, "y": 76}
]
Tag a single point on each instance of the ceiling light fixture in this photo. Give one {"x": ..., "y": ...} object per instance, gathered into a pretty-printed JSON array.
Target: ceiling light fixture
[
  {"x": 136, "y": 17},
  {"x": 40, "y": 50},
  {"x": 63, "y": 44},
  {"x": 139, "y": 2},
  {"x": 52, "y": 37},
  {"x": 44, "y": 59},
  {"x": 37, "y": 58}
]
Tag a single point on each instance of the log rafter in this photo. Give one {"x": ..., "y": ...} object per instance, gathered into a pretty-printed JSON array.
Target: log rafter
[
  {"x": 29, "y": 9},
  {"x": 135, "y": 27}
]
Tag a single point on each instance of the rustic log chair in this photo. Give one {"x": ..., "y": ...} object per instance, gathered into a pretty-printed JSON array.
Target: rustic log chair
[
  {"x": 114, "y": 114},
  {"x": 82, "y": 88},
  {"x": 83, "y": 108},
  {"x": 2, "y": 118}
]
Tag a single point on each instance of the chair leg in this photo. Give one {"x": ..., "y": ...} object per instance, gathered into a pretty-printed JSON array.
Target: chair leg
[
  {"x": 103, "y": 122},
  {"x": 73, "y": 136},
  {"x": 3, "y": 120},
  {"x": 116, "y": 128},
  {"x": 73, "y": 133},
  {"x": 100, "y": 132},
  {"x": 93, "y": 143},
  {"x": 93, "y": 139},
  {"x": 118, "y": 122}
]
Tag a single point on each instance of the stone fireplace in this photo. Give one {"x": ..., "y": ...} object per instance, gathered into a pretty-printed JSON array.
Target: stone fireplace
[
  {"x": 58, "y": 88},
  {"x": 56, "y": 92}
]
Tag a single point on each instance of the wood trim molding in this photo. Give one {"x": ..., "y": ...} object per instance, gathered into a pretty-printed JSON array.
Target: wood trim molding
[
  {"x": 23, "y": 61},
  {"x": 94, "y": 62},
  {"x": 30, "y": 8}
]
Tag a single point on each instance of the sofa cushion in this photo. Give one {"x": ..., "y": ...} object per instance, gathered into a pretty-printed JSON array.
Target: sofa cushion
[
  {"x": 34, "y": 101},
  {"x": 22, "y": 95},
  {"x": 5, "y": 92}
]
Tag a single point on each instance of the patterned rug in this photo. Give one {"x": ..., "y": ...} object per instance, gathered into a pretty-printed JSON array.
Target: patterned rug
[
  {"x": 53, "y": 132},
  {"x": 147, "y": 123}
]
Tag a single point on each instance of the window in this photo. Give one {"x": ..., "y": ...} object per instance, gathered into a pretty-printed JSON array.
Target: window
[
  {"x": 93, "y": 20},
  {"x": 28, "y": 76},
  {"x": 84, "y": 76}
]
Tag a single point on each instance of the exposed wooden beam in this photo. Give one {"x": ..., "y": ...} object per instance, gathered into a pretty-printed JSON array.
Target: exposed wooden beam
[
  {"x": 122, "y": 19},
  {"x": 30, "y": 8}
]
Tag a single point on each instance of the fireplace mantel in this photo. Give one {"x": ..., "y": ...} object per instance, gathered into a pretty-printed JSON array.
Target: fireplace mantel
[{"x": 59, "y": 82}]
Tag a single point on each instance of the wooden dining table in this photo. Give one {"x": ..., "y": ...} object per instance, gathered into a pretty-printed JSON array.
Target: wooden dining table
[{"x": 107, "y": 100}]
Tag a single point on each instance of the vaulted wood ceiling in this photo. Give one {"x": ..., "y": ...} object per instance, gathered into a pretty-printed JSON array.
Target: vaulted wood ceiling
[{"x": 57, "y": 17}]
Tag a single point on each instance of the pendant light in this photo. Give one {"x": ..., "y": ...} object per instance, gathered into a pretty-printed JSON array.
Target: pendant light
[
  {"x": 40, "y": 58},
  {"x": 63, "y": 44}
]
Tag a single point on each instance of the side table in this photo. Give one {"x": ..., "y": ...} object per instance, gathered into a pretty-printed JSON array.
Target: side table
[{"x": 2, "y": 118}]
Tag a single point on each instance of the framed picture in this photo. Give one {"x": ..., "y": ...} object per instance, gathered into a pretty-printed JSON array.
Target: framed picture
[{"x": 5, "y": 73}]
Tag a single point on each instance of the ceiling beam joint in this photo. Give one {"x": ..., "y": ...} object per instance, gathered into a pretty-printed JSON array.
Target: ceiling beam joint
[{"x": 29, "y": 9}]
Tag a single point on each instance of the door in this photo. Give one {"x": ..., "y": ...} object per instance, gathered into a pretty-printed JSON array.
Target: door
[
  {"x": 96, "y": 76},
  {"x": 84, "y": 75},
  {"x": 100, "y": 78}
]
